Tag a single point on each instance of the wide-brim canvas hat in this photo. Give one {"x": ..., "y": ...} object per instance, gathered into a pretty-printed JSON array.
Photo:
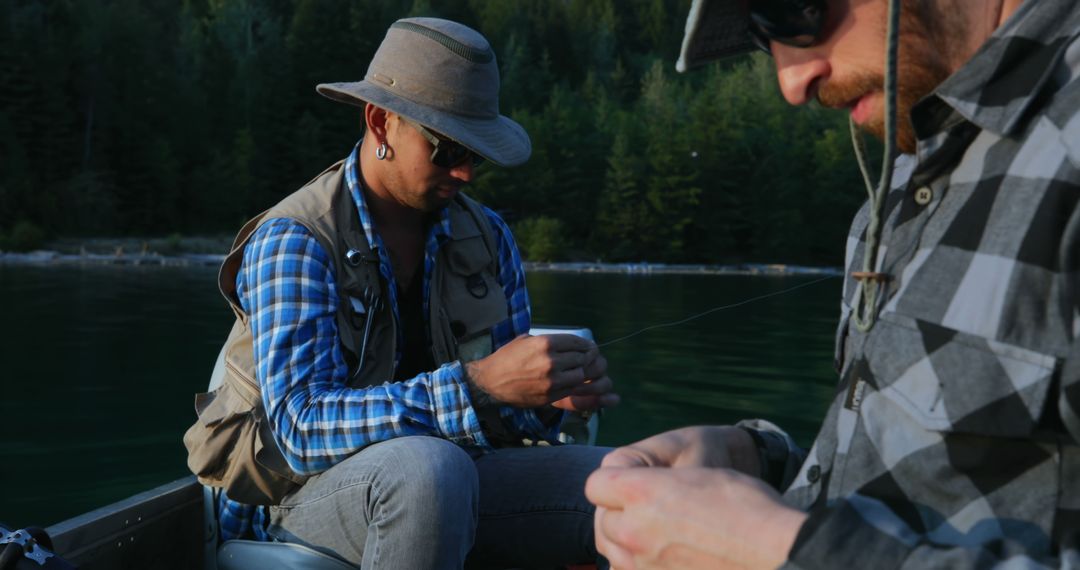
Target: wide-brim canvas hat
[
  {"x": 442, "y": 75},
  {"x": 715, "y": 29}
]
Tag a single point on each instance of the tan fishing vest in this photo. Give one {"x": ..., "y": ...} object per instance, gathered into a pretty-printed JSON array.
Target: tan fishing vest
[{"x": 230, "y": 445}]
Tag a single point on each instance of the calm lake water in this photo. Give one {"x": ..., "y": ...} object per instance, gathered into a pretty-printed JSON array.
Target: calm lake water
[{"x": 100, "y": 364}]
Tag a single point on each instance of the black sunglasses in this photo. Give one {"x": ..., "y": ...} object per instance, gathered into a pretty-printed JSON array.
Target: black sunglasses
[
  {"x": 448, "y": 153},
  {"x": 796, "y": 23}
]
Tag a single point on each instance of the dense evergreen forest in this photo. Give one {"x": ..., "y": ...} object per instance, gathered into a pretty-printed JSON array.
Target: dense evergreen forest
[{"x": 170, "y": 117}]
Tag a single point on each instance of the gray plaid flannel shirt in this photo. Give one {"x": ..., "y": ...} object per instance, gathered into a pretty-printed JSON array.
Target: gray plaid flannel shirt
[{"x": 953, "y": 437}]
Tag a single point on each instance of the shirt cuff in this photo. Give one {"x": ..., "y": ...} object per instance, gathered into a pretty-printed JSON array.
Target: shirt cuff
[
  {"x": 455, "y": 416},
  {"x": 779, "y": 456},
  {"x": 540, "y": 424}
]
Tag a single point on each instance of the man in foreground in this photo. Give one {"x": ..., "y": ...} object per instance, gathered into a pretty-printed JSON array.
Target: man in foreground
[
  {"x": 380, "y": 353},
  {"x": 952, "y": 440}
]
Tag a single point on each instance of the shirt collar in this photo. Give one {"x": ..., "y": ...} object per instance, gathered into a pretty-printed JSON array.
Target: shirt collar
[
  {"x": 440, "y": 229},
  {"x": 1005, "y": 77}
]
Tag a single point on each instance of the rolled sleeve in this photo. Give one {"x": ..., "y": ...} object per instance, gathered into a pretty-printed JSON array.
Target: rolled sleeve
[{"x": 780, "y": 457}]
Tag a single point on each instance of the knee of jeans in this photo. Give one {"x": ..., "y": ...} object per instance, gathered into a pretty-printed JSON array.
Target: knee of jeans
[{"x": 435, "y": 473}]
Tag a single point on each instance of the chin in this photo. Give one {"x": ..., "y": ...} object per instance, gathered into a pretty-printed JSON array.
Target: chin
[
  {"x": 435, "y": 203},
  {"x": 905, "y": 141},
  {"x": 905, "y": 132}
]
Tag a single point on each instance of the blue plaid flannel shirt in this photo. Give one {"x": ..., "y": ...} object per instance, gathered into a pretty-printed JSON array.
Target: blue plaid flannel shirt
[{"x": 286, "y": 283}]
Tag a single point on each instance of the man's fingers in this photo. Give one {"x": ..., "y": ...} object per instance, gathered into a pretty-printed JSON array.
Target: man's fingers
[
  {"x": 564, "y": 361},
  {"x": 609, "y": 400},
  {"x": 600, "y": 488},
  {"x": 576, "y": 403},
  {"x": 626, "y": 457},
  {"x": 591, "y": 363},
  {"x": 617, "y": 556},
  {"x": 567, "y": 371},
  {"x": 568, "y": 343},
  {"x": 597, "y": 367},
  {"x": 587, "y": 403},
  {"x": 615, "y": 488},
  {"x": 594, "y": 387},
  {"x": 566, "y": 381}
]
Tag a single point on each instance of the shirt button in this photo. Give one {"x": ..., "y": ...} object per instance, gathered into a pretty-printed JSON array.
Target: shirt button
[
  {"x": 923, "y": 195},
  {"x": 813, "y": 474}
]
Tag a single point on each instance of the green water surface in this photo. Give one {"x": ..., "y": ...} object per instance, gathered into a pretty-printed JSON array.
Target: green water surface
[{"x": 100, "y": 364}]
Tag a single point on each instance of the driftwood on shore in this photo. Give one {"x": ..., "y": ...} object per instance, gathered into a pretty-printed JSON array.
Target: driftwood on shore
[
  {"x": 643, "y": 268},
  {"x": 49, "y": 257}
]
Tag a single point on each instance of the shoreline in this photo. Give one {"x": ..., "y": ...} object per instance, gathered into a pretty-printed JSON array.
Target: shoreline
[
  {"x": 50, "y": 258},
  {"x": 644, "y": 268}
]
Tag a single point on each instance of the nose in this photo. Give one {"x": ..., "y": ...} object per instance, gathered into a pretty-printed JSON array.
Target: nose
[
  {"x": 465, "y": 171},
  {"x": 799, "y": 71}
]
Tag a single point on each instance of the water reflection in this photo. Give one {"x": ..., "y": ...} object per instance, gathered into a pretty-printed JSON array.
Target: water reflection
[
  {"x": 769, "y": 359},
  {"x": 100, "y": 364}
]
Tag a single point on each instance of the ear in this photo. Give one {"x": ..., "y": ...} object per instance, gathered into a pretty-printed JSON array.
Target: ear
[{"x": 376, "y": 120}]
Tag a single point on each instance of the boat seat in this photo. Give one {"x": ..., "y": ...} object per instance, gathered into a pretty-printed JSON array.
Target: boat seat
[{"x": 255, "y": 555}]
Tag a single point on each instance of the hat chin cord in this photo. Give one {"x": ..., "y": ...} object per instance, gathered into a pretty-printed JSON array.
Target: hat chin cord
[{"x": 870, "y": 281}]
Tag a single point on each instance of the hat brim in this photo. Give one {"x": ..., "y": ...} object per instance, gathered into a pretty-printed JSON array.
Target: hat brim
[
  {"x": 715, "y": 29},
  {"x": 498, "y": 139}
]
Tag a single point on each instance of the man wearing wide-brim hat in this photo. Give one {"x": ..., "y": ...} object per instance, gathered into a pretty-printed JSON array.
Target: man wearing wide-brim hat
[{"x": 379, "y": 384}]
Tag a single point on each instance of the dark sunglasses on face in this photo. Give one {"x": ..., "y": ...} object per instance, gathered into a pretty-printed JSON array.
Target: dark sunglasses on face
[
  {"x": 796, "y": 23},
  {"x": 447, "y": 153}
]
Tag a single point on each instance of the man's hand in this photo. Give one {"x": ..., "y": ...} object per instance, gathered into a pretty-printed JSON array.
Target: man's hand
[
  {"x": 699, "y": 446},
  {"x": 689, "y": 518},
  {"x": 596, "y": 393},
  {"x": 533, "y": 371}
]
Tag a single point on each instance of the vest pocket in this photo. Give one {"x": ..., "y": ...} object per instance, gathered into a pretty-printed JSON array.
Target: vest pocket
[
  {"x": 468, "y": 256},
  {"x": 473, "y": 299},
  {"x": 217, "y": 431},
  {"x": 231, "y": 447}
]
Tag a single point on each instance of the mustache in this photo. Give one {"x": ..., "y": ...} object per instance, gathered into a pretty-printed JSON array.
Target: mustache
[{"x": 840, "y": 93}]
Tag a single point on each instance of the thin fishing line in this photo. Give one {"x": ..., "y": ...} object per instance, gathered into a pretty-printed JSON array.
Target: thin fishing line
[{"x": 715, "y": 309}]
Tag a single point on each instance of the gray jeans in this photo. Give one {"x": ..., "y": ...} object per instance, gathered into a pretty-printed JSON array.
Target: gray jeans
[{"x": 423, "y": 502}]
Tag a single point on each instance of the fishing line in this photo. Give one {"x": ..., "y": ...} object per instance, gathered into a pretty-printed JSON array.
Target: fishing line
[{"x": 715, "y": 309}]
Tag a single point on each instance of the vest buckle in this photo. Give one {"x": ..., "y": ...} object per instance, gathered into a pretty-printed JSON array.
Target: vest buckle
[{"x": 354, "y": 258}]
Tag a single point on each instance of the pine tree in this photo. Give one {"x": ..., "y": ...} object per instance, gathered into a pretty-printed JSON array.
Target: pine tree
[
  {"x": 623, "y": 216},
  {"x": 671, "y": 181}
]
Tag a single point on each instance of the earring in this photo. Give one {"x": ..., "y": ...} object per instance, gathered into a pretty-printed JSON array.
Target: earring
[{"x": 380, "y": 153}]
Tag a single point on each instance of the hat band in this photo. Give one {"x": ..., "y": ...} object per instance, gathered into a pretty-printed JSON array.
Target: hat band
[{"x": 431, "y": 95}]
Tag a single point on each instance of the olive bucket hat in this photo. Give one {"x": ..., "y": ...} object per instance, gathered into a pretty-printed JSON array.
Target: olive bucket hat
[{"x": 442, "y": 75}]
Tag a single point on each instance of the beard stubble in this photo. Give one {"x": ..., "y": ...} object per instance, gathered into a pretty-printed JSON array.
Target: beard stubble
[{"x": 921, "y": 67}]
